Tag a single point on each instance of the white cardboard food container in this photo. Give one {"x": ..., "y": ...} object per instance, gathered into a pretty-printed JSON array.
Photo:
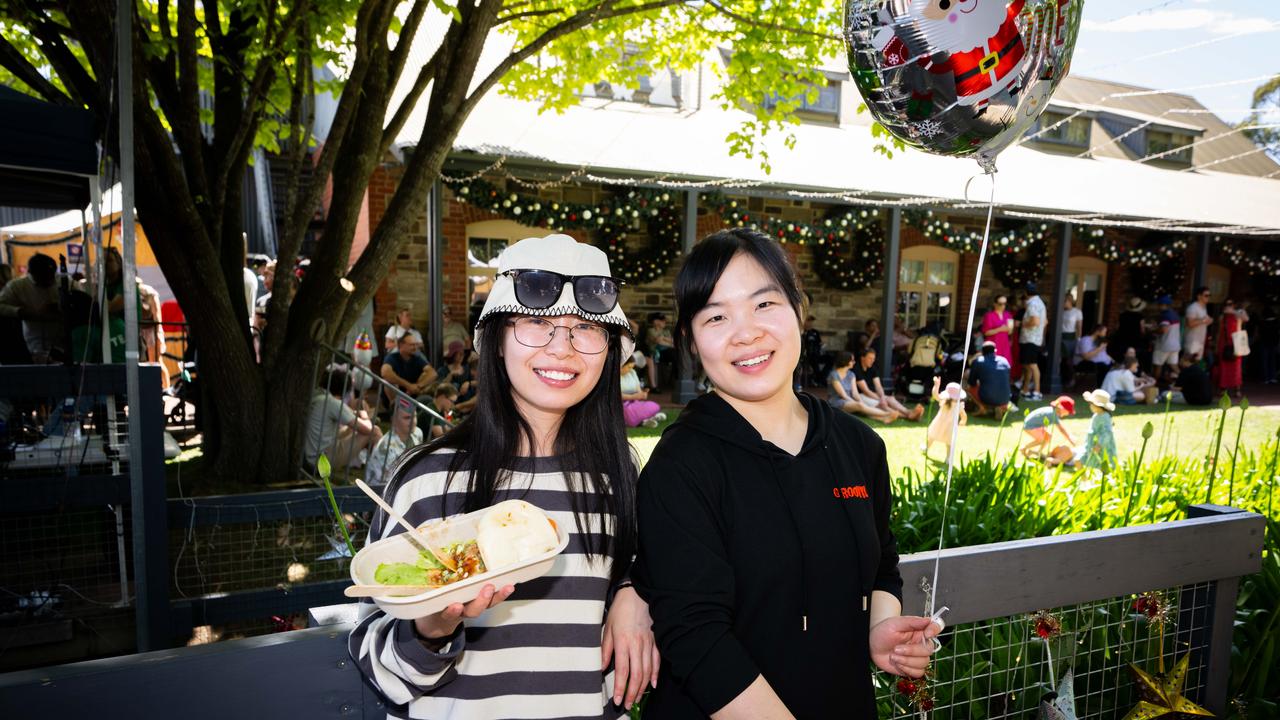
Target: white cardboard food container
[{"x": 457, "y": 529}]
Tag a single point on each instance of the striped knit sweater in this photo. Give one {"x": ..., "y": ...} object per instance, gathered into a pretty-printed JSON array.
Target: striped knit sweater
[{"x": 536, "y": 655}]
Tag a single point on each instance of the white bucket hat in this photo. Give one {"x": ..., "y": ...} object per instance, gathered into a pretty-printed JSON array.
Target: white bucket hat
[
  {"x": 556, "y": 253},
  {"x": 1101, "y": 398},
  {"x": 953, "y": 391}
]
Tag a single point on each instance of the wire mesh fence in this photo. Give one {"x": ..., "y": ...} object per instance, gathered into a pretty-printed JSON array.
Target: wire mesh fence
[
  {"x": 1002, "y": 668},
  {"x": 63, "y": 575},
  {"x": 226, "y": 548},
  {"x": 65, "y": 524}
]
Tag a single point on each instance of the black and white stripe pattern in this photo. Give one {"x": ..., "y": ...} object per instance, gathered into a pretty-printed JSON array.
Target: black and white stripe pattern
[{"x": 537, "y": 655}]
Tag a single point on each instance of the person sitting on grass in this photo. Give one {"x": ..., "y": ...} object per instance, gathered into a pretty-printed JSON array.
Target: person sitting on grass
[
  {"x": 637, "y": 408},
  {"x": 1041, "y": 423},
  {"x": 844, "y": 392},
  {"x": 867, "y": 374},
  {"x": 442, "y": 398},
  {"x": 1124, "y": 384},
  {"x": 335, "y": 429},
  {"x": 407, "y": 368},
  {"x": 404, "y": 434},
  {"x": 1189, "y": 384},
  {"x": 456, "y": 370},
  {"x": 950, "y": 402},
  {"x": 989, "y": 382}
]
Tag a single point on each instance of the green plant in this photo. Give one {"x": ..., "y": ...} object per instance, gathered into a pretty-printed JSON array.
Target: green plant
[{"x": 323, "y": 469}]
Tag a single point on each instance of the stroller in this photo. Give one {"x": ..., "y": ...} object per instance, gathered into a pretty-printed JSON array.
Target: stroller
[{"x": 922, "y": 365}]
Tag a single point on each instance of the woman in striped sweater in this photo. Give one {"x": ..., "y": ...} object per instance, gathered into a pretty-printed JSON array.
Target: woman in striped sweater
[{"x": 548, "y": 428}]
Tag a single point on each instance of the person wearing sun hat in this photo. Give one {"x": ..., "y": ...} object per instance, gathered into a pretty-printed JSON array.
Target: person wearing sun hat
[
  {"x": 547, "y": 427},
  {"x": 950, "y": 402},
  {"x": 1099, "y": 448},
  {"x": 1040, "y": 424}
]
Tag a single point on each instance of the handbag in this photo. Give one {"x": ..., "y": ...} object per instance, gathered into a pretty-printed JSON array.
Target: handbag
[{"x": 1240, "y": 343}]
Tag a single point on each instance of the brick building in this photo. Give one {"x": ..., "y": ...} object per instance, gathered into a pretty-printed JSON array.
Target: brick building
[{"x": 1157, "y": 193}]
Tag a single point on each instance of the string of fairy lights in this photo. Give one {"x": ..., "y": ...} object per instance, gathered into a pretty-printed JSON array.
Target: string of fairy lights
[
  {"x": 639, "y": 221},
  {"x": 847, "y": 243}
]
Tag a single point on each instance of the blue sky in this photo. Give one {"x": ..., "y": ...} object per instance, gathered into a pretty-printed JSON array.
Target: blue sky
[{"x": 1173, "y": 44}]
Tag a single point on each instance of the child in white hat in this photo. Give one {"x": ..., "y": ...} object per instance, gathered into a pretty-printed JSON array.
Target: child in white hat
[
  {"x": 950, "y": 402},
  {"x": 1099, "y": 449}
]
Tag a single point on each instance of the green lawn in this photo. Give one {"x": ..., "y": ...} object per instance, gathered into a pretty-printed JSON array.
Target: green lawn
[{"x": 1190, "y": 434}]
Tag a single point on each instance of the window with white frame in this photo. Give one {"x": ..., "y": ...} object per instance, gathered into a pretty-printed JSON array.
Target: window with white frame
[{"x": 927, "y": 286}]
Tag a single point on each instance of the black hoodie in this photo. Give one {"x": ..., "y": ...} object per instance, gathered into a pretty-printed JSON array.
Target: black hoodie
[{"x": 757, "y": 562}]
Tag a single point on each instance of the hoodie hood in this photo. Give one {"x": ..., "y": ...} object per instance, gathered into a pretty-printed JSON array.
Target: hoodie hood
[{"x": 710, "y": 414}]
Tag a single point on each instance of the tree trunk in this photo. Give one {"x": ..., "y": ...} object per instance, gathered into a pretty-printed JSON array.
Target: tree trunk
[{"x": 284, "y": 420}]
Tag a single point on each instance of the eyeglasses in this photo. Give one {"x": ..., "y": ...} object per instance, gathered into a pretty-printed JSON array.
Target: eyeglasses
[
  {"x": 585, "y": 337},
  {"x": 539, "y": 290}
]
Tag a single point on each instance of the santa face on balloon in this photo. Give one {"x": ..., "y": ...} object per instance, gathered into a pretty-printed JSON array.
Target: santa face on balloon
[
  {"x": 961, "y": 78},
  {"x": 983, "y": 45}
]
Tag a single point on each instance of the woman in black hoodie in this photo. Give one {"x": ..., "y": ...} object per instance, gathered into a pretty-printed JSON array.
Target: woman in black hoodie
[{"x": 765, "y": 549}]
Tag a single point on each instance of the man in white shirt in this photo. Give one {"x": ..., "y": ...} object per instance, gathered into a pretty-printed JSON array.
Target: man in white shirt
[
  {"x": 1031, "y": 341},
  {"x": 1198, "y": 322},
  {"x": 333, "y": 428},
  {"x": 1125, "y": 388}
]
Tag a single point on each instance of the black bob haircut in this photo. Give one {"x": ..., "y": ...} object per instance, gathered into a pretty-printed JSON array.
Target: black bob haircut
[{"x": 706, "y": 263}]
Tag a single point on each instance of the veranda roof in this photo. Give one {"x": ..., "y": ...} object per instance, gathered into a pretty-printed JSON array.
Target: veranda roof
[{"x": 645, "y": 141}]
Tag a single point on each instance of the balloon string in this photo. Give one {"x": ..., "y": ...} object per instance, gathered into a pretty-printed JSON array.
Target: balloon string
[{"x": 964, "y": 362}]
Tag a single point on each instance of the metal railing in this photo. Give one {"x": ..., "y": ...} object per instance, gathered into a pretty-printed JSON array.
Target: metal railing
[{"x": 989, "y": 589}]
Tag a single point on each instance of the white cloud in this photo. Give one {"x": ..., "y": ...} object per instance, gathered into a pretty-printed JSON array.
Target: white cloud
[{"x": 1211, "y": 21}]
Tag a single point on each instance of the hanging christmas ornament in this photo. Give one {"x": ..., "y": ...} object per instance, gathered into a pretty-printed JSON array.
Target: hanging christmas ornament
[
  {"x": 1060, "y": 705},
  {"x": 917, "y": 692},
  {"x": 1161, "y": 694},
  {"x": 963, "y": 78}
]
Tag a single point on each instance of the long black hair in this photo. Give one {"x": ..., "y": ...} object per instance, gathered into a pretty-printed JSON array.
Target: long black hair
[
  {"x": 591, "y": 444},
  {"x": 706, "y": 263}
]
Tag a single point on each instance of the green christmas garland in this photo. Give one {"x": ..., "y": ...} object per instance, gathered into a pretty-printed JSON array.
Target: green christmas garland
[
  {"x": 1167, "y": 277},
  {"x": 1111, "y": 250},
  {"x": 1019, "y": 256},
  {"x": 940, "y": 232},
  {"x": 1256, "y": 263},
  {"x": 849, "y": 253},
  {"x": 629, "y": 211},
  {"x": 847, "y": 245}
]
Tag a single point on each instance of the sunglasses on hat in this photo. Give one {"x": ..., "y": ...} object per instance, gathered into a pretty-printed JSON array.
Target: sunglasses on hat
[{"x": 539, "y": 290}]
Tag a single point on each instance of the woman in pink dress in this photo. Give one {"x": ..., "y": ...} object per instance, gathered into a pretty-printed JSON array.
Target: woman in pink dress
[
  {"x": 997, "y": 325},
  {"x": 1227, "y": 368}
]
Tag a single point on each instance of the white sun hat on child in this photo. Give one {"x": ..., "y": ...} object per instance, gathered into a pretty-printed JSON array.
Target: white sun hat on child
[
  {"x": 953, "y": 391},
  {"x": 1101, "y": 398},
  {"x": 557, "y": 254}
]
